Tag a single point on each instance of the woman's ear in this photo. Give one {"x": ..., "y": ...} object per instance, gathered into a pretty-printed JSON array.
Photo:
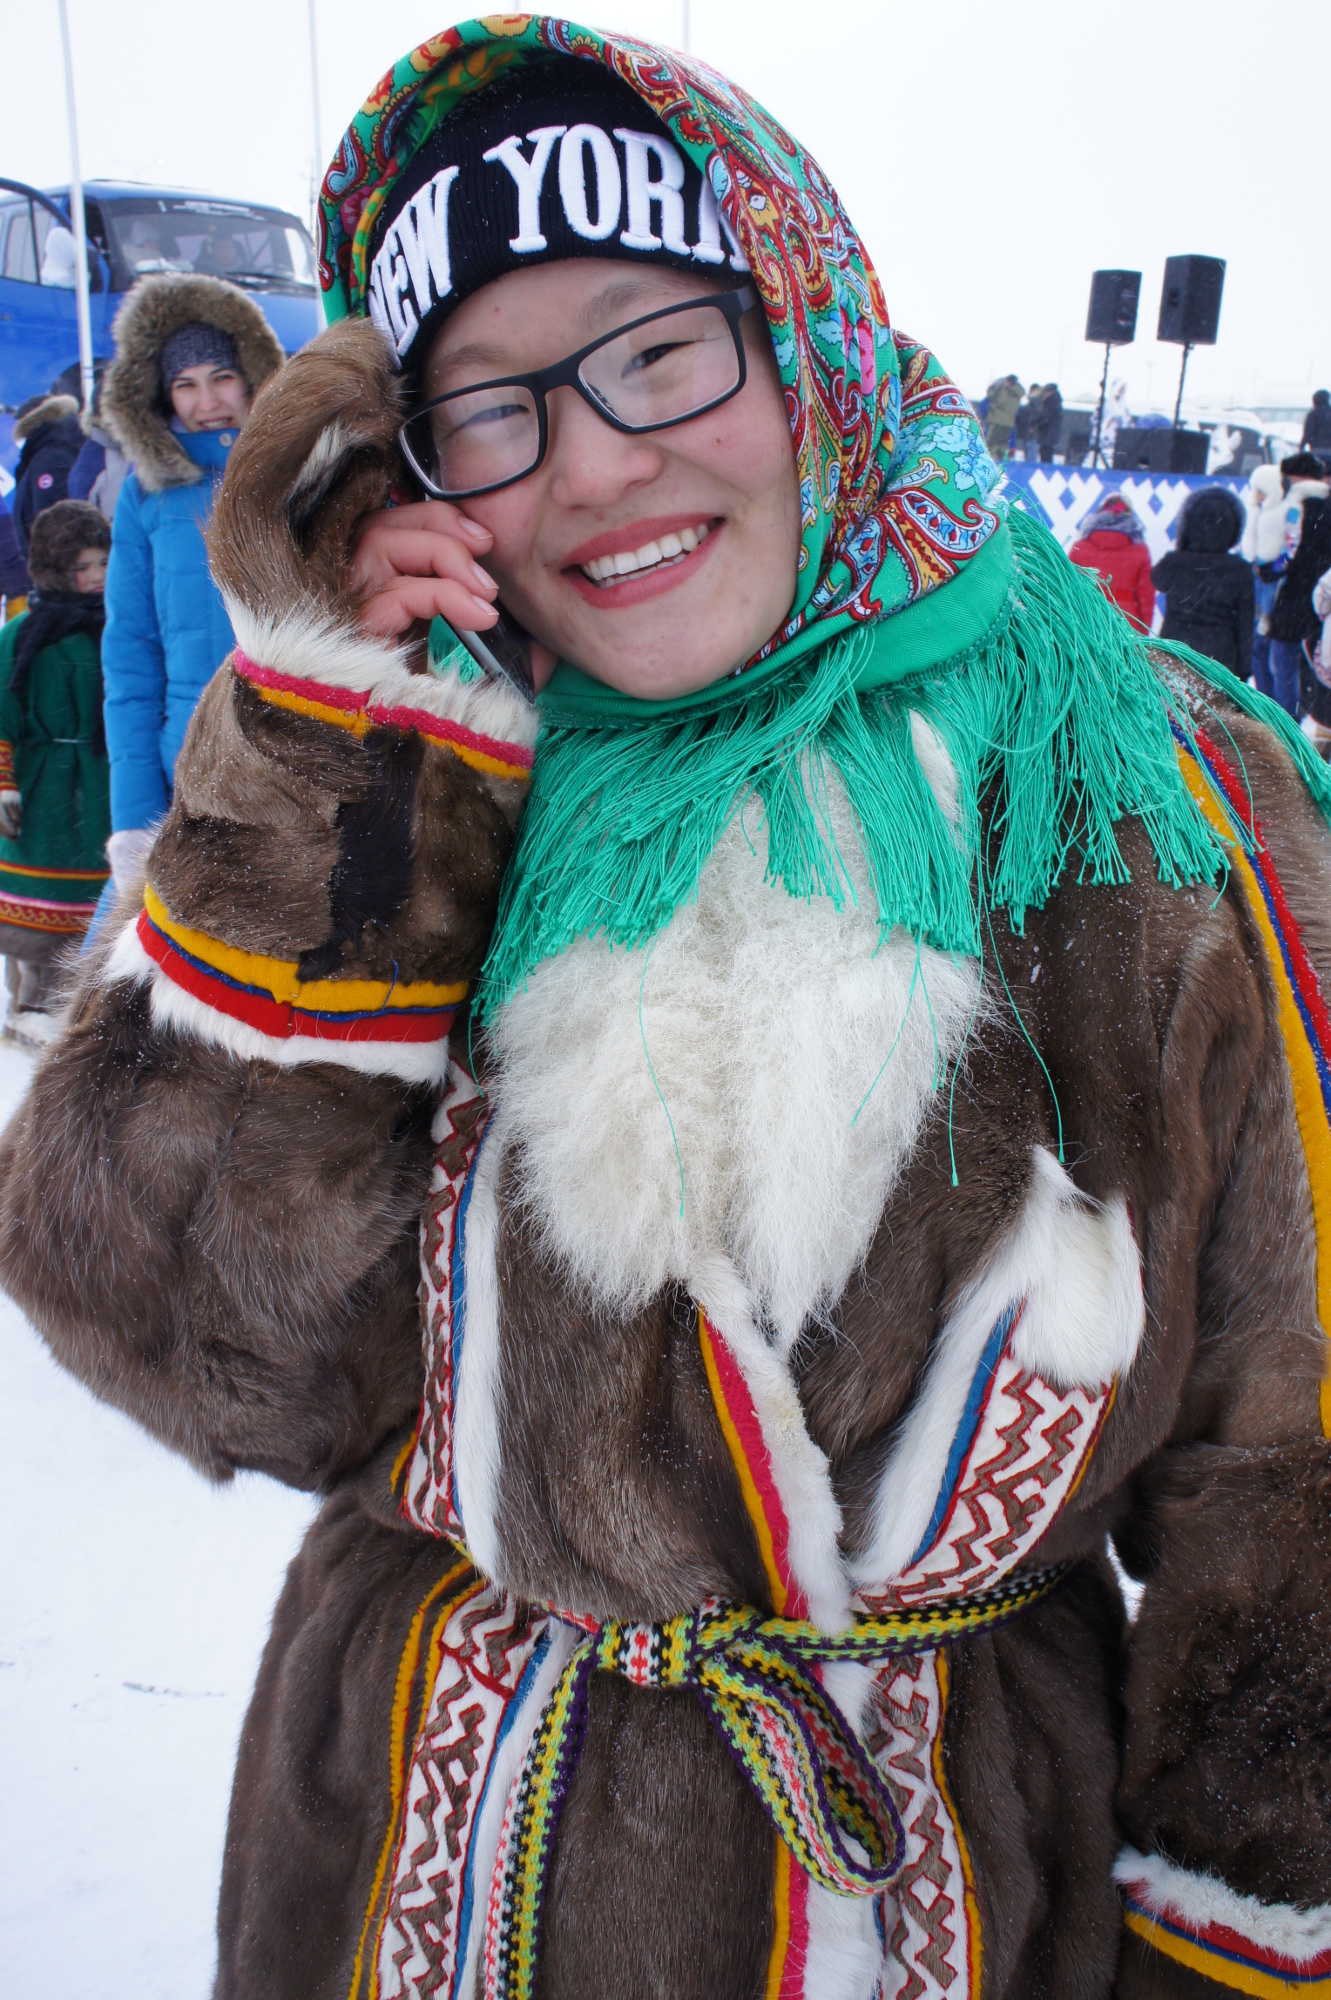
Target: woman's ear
[{"x": 318, "y": 452}]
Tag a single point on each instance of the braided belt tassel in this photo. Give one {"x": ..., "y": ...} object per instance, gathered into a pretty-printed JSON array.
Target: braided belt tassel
[{"x": 756, "y": 1677}]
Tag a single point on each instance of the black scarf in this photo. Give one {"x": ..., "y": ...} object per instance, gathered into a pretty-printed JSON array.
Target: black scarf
[{"x": 51, "y": 617}]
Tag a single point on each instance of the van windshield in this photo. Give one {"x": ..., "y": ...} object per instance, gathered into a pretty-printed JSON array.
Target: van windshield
[{"x": 251, "y": 246}]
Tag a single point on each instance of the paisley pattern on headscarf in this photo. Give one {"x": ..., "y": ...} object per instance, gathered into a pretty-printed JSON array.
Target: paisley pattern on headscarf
[{"x": 894, "y": 476}]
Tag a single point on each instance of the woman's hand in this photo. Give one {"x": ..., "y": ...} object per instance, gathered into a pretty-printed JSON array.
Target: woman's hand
[
  {"x": 419, "y": 562},
  {"x": 11, "y": 815}
]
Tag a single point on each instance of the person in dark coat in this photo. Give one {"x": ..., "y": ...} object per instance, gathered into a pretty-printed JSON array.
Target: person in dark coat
[
  {"x": 48, "y": 429},
  {"x": 1025, "y": 436},
  {"x": 1293, "y": 616},
  {"x": 1208, "y": 591},
  {"x": 1317, "y": 423},
  {"x": 1049, "y": 423},
  {"x": 14, "y": 580}
]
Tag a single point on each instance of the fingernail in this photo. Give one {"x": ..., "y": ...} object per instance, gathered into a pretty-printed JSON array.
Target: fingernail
[
  {"x": 473, "y": 528},
  {"x": 484, "y": 582},
  {"x": 484, "y": 607}
]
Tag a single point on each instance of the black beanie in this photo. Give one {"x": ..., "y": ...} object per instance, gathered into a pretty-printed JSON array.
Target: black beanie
[{"x": 557, "y": 160}]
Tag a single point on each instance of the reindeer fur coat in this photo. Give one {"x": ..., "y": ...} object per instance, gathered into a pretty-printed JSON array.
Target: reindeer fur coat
[{"x": 248, "y": 1233}]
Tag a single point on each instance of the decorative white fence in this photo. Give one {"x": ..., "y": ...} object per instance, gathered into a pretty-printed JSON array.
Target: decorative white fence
[{"x": 1065, "y": 497}]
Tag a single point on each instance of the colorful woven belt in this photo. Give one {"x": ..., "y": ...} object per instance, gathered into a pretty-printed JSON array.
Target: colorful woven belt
[{"x": 757, "y": 1680}]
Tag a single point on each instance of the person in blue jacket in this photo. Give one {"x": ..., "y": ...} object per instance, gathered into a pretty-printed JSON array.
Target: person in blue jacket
[{"x": 191, "y": 352}]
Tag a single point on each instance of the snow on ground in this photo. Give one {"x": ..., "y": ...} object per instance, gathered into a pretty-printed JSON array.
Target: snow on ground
[{"x": 134, "y": 1603}]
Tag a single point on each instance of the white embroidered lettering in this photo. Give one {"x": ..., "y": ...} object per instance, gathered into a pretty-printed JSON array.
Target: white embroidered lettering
[
  {"x": 640, "y": 149},
  {"x": 378, "y": 310},
  {"x": 423, "y": 230},
  {"x": 390, "y": 268},
  {"x": 710, "y": 224},
  {"x": 527, "y": 178},
  {"x": 573, "y": 191}
]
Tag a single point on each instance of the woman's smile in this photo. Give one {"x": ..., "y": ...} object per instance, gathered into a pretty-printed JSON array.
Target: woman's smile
[{"x": 628, "y": 565}]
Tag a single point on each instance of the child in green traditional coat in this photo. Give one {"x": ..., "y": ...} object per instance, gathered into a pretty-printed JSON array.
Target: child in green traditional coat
[{"x": 54, "y": 774}]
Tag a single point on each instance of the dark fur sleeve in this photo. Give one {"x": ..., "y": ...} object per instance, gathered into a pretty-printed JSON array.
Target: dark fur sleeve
[
  {"x": 1225, "y": 1797},
  {"x": 226, "y": 1250},
  {"x": 214, "y": 1227}
]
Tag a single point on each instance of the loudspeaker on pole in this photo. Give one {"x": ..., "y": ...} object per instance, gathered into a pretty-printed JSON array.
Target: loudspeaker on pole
[
  {"x": 1111, "y": 319},
  {"x": 1190, "y": 301}
]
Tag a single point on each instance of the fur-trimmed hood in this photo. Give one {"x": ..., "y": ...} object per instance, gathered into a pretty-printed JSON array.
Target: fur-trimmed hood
[
  {"x": 134, "y": 407},
  {"x": 49, "y": 411}
]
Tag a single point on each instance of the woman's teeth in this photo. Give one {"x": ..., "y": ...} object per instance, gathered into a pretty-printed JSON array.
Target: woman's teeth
[{"x": 670, "y": 548}]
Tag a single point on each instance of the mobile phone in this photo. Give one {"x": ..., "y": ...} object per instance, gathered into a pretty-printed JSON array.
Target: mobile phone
[{"x": 504, "y": 653}]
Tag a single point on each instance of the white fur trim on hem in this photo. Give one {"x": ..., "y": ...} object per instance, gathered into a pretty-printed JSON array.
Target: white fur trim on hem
[
  {"x": 800, "y": 1469},
  {"x": 310, "y": 647},
  {"x": 171, "y": 1007},
  {"x": 1199, "y": 1900},
  {"x": 1076, "y": 1265}
]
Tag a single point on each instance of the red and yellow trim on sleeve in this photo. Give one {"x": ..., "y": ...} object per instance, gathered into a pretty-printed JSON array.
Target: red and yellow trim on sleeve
[
  {"x": 7, "y": 783},
  {"x": 354, "y": 709},
  {"x": 268, "y": 994},
  {"x": 1304, "y": 1022},
  {"x": 1224, "y": 1956}
]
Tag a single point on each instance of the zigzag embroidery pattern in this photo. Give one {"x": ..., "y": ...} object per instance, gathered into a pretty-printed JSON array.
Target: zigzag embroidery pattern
[
  {"x": 429, "y": 1500},
  {"x": 1031, "y": 1446}
]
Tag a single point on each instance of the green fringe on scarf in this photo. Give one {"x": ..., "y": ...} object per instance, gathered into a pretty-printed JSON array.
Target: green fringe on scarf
[{"x": 1062, "y": 707}]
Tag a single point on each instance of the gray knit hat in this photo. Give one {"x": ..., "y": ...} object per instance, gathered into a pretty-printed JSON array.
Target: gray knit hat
[{"x": 192, "y": 345}]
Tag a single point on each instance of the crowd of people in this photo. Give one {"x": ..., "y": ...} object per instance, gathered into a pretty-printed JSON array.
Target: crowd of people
[
  {"x": 114, "y": 623},
  {"x": 1029, "y": 421},
  {"x": 1249, "y": 588}
]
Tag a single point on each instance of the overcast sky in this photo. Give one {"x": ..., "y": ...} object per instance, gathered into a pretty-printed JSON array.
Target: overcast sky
[{"x": 991, "y": 156}]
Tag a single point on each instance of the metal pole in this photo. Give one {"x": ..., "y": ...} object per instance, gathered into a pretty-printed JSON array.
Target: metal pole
[
  {"x": 82, "y": 307},
  {"x": 316, "y": 175},
  {"x": 1187, "y": 350},
  {"x": 1098, "y": 455}
]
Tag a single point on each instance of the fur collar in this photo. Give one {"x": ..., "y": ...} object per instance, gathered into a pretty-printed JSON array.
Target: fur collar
[
  {"x": 49, "y": 411},
  {"x": 749, "y": 1034},
  {"x": 132, "y": 404}
]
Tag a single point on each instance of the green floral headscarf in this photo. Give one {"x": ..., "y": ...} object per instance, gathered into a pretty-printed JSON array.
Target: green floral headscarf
[{"x": 894, "y": 477}]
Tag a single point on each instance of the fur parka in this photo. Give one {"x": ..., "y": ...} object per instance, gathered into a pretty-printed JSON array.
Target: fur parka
[
  {"x": 134, "y": 406},
  {"x": 460, "y": 1295}
]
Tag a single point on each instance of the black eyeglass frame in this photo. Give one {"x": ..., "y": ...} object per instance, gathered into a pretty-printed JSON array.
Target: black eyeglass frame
[{"x": 732, "y": 304}]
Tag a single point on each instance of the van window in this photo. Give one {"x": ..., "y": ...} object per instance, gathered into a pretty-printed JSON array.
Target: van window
[
  {"x": 20, "y": 256},
  {"x": 21, "y": 259},
  {"x": 259, "y": 247}
]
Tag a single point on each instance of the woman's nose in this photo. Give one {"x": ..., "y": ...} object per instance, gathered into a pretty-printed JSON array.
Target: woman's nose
[{"x": 590, "y": 462}]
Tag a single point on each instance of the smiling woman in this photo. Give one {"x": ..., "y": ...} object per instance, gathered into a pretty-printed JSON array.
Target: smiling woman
[{"x": 683, "y": 1163}]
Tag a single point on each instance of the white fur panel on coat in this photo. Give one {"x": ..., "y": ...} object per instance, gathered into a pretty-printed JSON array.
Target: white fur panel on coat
[{"x": 767, "y": 1020}]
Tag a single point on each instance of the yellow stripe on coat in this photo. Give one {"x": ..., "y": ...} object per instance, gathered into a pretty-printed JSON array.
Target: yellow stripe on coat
[
  {"x": 1309, "y": 1105},
  {"x": 281, "y": 977}
]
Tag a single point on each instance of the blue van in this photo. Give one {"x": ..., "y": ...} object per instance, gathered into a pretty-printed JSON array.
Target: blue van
[{"x": 133, "y": 230}]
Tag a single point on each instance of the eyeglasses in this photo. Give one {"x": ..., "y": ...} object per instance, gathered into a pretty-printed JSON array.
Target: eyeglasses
[{"x": 657, "y": 371}]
